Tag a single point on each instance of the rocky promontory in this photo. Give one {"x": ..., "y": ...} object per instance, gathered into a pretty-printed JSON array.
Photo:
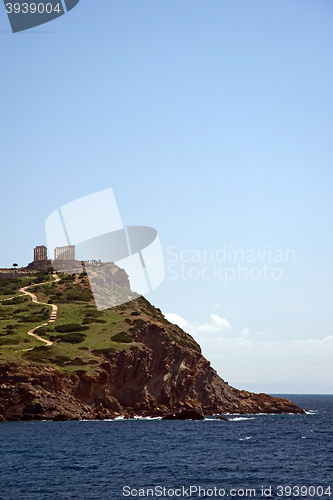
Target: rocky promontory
[{"x": 125, "y": 361}]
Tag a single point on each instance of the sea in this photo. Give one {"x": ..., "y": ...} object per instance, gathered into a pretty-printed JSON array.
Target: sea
[{"x": 249, "y": 456}]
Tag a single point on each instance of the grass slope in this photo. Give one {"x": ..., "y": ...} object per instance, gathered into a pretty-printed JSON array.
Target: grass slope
[{"x": 81, "y": 335}]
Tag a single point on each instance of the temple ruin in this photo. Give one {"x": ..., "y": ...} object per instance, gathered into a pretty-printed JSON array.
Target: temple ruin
[
  {"x": 40, "y": 253},
  {"x": 64, "y": 253}
]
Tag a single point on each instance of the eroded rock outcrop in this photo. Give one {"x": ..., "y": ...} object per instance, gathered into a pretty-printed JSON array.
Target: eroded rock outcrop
[{"x": 155, "y": 377}]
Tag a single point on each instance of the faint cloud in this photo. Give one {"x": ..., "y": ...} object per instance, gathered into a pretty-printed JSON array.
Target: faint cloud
[
  {"x": 245, "y": 333},
  {"x": 177, "y": 320},
  {"x": 216, "y": 324},
  {"x": 240, "y": 357}
]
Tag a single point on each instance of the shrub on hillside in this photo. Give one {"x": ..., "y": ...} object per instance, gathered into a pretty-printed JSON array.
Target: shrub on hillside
[
  {"x": 72, "y": 338},
  {"x": 80, "y": 294},
  {"x": 21, "y": 310},
  {"x": 67, "y": 278},
  {"x": 16, "y": 300},
  {"x": 76, "y": 362},
  {"x": 122, "y": 337},
  {"x": 138, "y": 324},
  {"x": 72, "y": 327},
  {"x": 105, "y": 350},
  {"x": 9, "y": 341}
]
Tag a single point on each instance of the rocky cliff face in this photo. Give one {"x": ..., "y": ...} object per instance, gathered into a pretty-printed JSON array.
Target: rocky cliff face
[{"x": 158, "y": 374}]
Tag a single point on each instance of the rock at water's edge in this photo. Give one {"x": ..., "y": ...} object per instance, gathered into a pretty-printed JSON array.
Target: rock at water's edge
[
  {"x": 184, "y": 415},
  {"x": 163, "y": 373}
]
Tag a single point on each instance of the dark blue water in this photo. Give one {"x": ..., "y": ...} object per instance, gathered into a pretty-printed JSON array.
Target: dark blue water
[{"x": 94, "y": 460}]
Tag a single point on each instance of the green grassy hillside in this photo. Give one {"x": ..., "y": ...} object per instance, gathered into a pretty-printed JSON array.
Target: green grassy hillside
[{"x": 81, "y": 335}]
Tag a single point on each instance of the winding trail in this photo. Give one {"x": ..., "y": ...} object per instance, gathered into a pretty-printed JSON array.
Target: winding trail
[
  {"x": 34, "y": 299},
  {"x": 53, "y": 314}
]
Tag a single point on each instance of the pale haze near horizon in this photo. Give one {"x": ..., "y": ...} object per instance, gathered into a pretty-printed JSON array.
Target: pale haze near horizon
[{"x": 212, "y": 122}]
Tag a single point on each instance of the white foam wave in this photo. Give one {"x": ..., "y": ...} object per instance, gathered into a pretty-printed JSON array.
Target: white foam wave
[
  {"x": 138, "y": 417},
  {"x": 236, "y": 419}
]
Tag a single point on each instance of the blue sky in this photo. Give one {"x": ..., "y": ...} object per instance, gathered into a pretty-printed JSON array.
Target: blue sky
[{"x": 212, "y": 122}]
